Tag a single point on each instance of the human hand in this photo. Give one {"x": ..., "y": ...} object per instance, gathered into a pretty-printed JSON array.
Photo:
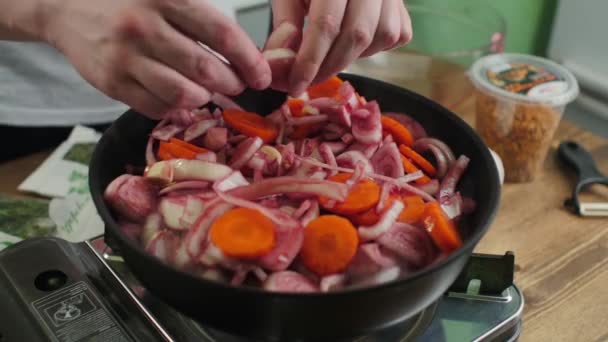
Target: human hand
[
  {"x": 338, "y": 32},
  {"x": 146, "y": 54}
]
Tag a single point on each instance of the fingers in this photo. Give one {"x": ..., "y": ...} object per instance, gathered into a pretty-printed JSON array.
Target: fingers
[
  {"x": 389, "y": 29},
  {"x": 358, "y": 29},
  {"x": 292, "y": 11},
  {"x": 204, "y": 22},
  {"x": 166, "y": 84},
  {"x": 325, "y": 19},
  {"x": 406, "y": 27},
  {"x": 139, "y": 98},
  {"x": 192, "y": 60}
]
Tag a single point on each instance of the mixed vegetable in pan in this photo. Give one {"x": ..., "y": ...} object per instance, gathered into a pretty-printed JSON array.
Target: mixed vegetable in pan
[{"x": 324, "y": 193}]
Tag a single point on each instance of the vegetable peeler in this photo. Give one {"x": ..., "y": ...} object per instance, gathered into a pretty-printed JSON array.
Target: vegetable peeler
[{"x": 576, "y": 157}]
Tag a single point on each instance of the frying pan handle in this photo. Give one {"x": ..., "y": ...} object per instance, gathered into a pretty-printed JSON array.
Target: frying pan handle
[{"x": 580, "y": 160}]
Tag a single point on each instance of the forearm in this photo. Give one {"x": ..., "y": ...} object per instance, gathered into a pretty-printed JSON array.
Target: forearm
[{"x": 23, "y": 19}]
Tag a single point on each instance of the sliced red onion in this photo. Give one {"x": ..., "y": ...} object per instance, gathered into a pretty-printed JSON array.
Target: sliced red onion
[
  {"x": 302, "y": 209},
  {"x": 328, "y": 156},
  {"x": 150, "y": 157},
  {"x": 284, "y": 36},
  {"x": 430, "y": 188},
  {"x": 186, "y": 185},
  {"x": 347, "y": 138},
  {"x": 213, "y": 274},
  {"x": 235, "y": 139},
  {"x": 367, "y": 128},
  {"x": 411, "y": 243},
  {"x": 216, "y": 138},
  {"x": 452, "y": 205},
  {"x": 192, "y": 211},
  {"x": 163, "y": 246},
  {"x": 234, "y": 180},
  {"x": 288, "y": 156},
  {"x": 388, "y": 218},
  {"x": 180, "y": 117},
  {"x": 187, "y": 169},
  {"x": 381, "y": 277},
  {"x": 351, "y": 158},
  {"x": 196, "y": 238},
  {"x": 442, "y": 153},
  {"x": 208, "y": 156},
  {"x": 133, "y": 197},
  {"x": 384, "y": 193},
  {"x": 280, "y": 61},
  {"x": 310, "y": 119},
  {"x": 367, "y": 150},
  {"x": 308, "y": 146},
  {"x": 410, "y": 123},
  {"x": 333, "y": 131},
  {"x": 451, "y": 179},
  {"x": 289, "y": 239},
  {"x": 258, "y": 176},
  {"x": 335, "y": 146},
  {"x": 172, "y": 209},
  {"x": 332, "y": 282},
  {"x": 369, "y": 259},
  {"x": 290, "y": 282},
  {"x": 311, "y": 214},
  {"x": 244, "y": 151},
  {"x": 212, "y": 256},
  {"x": 348, "y": 94},
  {"x": 336, "y": 111},
  {"x": 387, "y": 161},
  {"x": 224, "y": 102},
  {"x": 152, "y": 226},
  {"x": 198, "y": 128},
  {"x": 201, "y": 114},
  {"x": 166, "y": 132},
  {"x": 286, "y": 184},
  {"x": 181, "y": 259},
  {"x": 387, "y": 140}
]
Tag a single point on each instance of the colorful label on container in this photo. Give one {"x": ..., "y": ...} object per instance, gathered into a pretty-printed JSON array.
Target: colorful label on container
[{"x": 525, "y": 79}]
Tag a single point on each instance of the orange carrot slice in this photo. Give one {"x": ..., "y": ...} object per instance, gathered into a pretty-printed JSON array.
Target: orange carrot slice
[
  {"x": 330, "y": 243},
  {"x": 163, "y": 154},
  {"x": 413, "y": 210},
  {"x": 399, "y": 132},
  {"x": 418, "y": 159},
  {"x": 327, "y": 88},
  {"x": 410, "y": 168},
  {"x": 187, "y": 145},
  {"x": 243, "y": 233},
  {"x": 442, "y": 230},
  {"x": 251, "y": 124},
  {"x": 176, "y": 151},
  {"x": 295, "y": 107},
  {"x": 361, "y": 197},
  {"x": 371, "y": 216}
]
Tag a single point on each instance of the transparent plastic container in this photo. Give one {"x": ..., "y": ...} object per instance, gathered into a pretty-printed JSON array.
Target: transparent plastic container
[{"x": 520, "y": 100}]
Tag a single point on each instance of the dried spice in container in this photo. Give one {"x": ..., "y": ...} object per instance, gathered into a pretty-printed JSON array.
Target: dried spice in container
[{"x": 520, "y": 100}]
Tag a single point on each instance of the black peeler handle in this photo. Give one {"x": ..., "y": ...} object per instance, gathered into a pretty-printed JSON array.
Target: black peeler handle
[{"x": 580, "y": 160}]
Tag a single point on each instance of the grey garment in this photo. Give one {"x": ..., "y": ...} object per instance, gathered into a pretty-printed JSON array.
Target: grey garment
[{"x": 39, "y": 87}]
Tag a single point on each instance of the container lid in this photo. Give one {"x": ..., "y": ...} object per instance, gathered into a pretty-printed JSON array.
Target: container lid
[{"x": 524, "y": 78}]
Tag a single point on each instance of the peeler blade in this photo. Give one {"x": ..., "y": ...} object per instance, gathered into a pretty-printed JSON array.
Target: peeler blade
[{"x": 593, "y": 209}]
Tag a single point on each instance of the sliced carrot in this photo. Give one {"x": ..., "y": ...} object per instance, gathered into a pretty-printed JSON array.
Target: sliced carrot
[
  {"x": 371, "y": 216},
  {"x": 399, "y": 132},
  {"x": 251, "y": 124},
  {"x": 443, "y": 231},
  {"x": 327, "y": 88},
  {"x": 361, "y": 197},
  {"x": 413, "y": 209},
  {"x": 176, "y": 151},
  {"x": 330, "y": 243},
  {"x": 163, "y": 154},
  {"x": 243, "y": 233},
  {"x": 303, "y": 131},
  {"x": 187, "y": 145},
  {"x": 295, "y": 107},
  {"x": 418, "y": 159},
  {"x": 411, "y": 168}
]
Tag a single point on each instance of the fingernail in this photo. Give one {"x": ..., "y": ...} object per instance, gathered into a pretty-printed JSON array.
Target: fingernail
[{"x": 262, "y": 82}]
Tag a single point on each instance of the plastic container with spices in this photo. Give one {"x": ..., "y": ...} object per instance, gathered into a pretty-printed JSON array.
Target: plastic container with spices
[{"x": 520, "y": 100}]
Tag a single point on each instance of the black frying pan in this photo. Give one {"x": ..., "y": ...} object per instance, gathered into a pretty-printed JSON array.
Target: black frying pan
[{"x": 255, "y": 313}]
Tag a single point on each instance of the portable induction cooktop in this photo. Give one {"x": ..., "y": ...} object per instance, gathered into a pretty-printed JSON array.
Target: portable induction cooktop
[{"x": 53, "y": 290}]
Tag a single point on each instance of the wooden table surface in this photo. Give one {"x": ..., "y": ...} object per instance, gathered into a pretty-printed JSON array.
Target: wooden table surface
[{"x": 561, "y": 259}]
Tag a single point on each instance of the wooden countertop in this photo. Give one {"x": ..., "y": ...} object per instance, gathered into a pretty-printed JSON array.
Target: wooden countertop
[{"x": 562, "y": 259}]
